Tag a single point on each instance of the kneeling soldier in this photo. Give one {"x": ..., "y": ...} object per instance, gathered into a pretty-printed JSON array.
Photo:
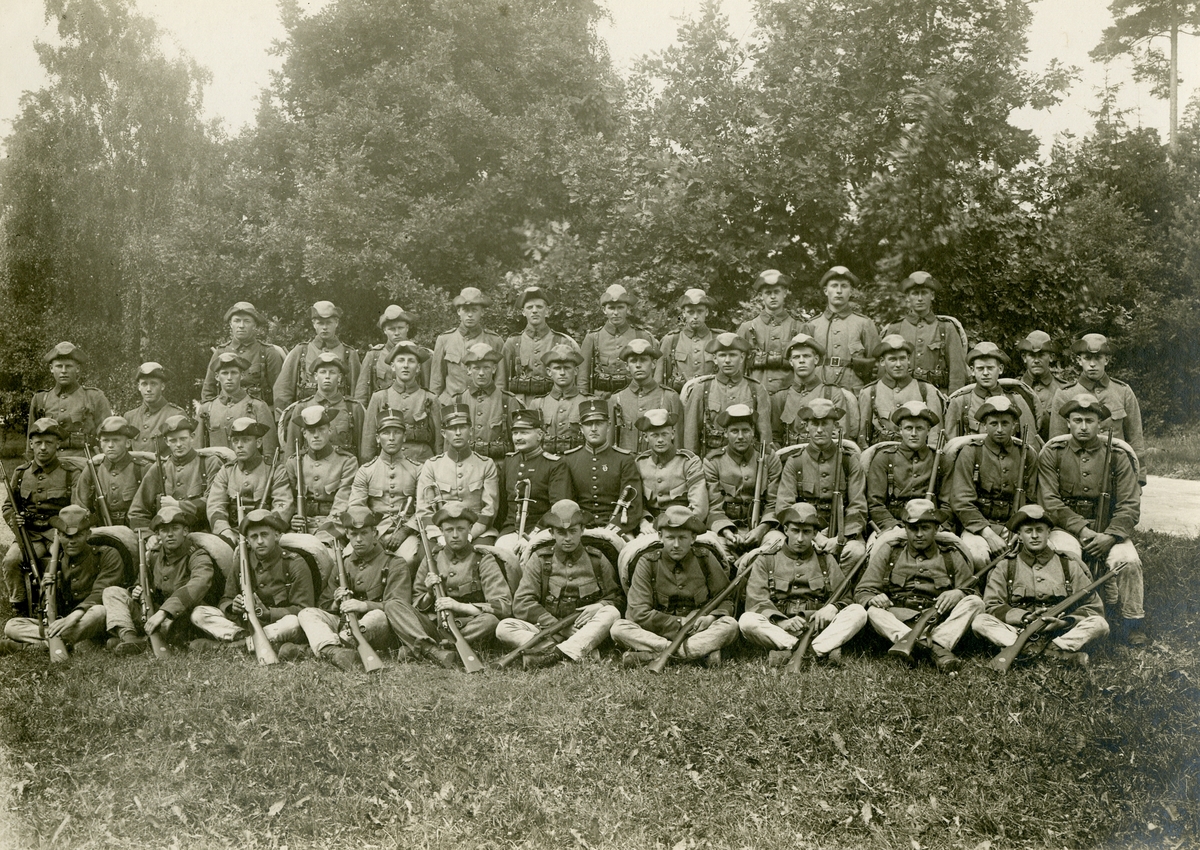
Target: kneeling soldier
[
  {"x": 788, "y": 588},
  {"x": 565, "y": 580},
  {"x": 474, "y": 592},
  {"x": 1020, "y": 588},
  {"x": 666, "y": 587},
  {"x": 181, "y": 575},
  {"x": 907, "y": 577}
]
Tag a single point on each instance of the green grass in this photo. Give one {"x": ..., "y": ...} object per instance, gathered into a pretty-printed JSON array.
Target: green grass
[
  {"x": 1175, "y": 455},
  {"x": 217, "y": 752}
]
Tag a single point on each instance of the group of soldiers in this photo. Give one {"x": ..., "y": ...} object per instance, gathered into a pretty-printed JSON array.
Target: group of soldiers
[{"x": 789, "y": 483}]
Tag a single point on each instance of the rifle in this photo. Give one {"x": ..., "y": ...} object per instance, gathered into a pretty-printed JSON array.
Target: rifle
[
  {"x": 262, "y": 502},
  {"x": 620, "y": 514},
  {"x": 837, "y": 517},
  {"x": 760, "y": 472},
  {"x": 100, "y": 496},
  {"x": 470, "y": 661},
  {"x": 1019, "y": 496},
  {"x": 262, "y": 645},
  {"x": 58, "y": 649},
  {"x": 300, "y": 488},
  {"x": 543, "y": 634},
  {"x": 1005, "y": 659},
  {"x": 796, "y": 662},
  {"x": 659, "y": 664},
  {"x": 523, "y": 511},
  {"x": 157, "y": 643},
  {"x": 26, "y": 544},
  {"x": 366, "y": 652},
  {"x": 203, "y": 418},
  {"x": 162, "y": 474},
  {"x": 931, "y": 490},
  {"x": 1104, "y": 503},
  {"x": 399, "y": 523}
]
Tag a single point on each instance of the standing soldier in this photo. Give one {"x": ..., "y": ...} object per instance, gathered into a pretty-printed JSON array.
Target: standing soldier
[
  {"x": 120, "y": 474},
  {"x": 669, "y": 476},
  {"x": 346, "y": 414},
  {"x": 557, "y": 581},
  {"x": 1038, "y": 350},
  {"x": 491, "y": 408},
  {"x": 387, "y": 486},
  {"x": 148, "y": 418},
  {"x": 603, "y": 372},
  {"x": 459, "y": 475},
  {"x": 247, "y": 476},
  {"x": 601, "y": 473},
  {"x": 987, "y": 363},
  {"x": 560, "y": 407},
  {"x": 804, "y": 355},
  {"x": 533, "y": 479},
  {"x": 939, "y": 343},
  {"x": 184, "y": 476},
  {"x": 731, "y": 475},
  {"x": 376, "y": 373},
  {"x": 328, "y": 472},
  {"x": 878, "y": 400},
  {"x": 295, "y": 379},
  {"x": 848, "y": 337},
  {"x": 643, "y": 394},
  {"x": 418, "y": 408},
  {"x": 233, "y": 402},
  {"x": 706, "y": 397},
  {"x": 448, "y": 373},
  {"x": 523, "y": 353},
  {"x": 263, "y": 361},
  {"x": 769, "y": 333},
  {"x": 684, "y": 351},
  {"x": 77, "y": 409},
  {"x": 899, "y": 473}
]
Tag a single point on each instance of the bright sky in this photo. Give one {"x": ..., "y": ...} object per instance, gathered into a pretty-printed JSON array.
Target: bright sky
[{"x": 231, "y": 38}]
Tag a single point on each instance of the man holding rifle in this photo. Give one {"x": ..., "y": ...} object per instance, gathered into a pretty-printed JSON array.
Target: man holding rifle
[
  {"x": 387, "y": 486},
  {"x": 185, "y": 477},
  {"x": 743, "y": 482},
  {"x": 670, "y": 476},
  {"x": 899, "y": 473},
  {"x": 320, "y": 474},
  {"x": 108, "y": 488},
  {"x": 76, "y": 408},
  {"x": 249, "y": 476}
]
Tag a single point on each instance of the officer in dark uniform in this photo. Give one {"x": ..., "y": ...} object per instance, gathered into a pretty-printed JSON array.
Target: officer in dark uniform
[
  {"x": 148, "y": 418},
  {"x": 601, "y": 474},
  {"x": 295, "y": 379},
  {"x": 264, "y": 361},
  {"x": 77, "y": 409},
  {"x": 533, "y": 479},
  {"x": 120, "y": 474}
]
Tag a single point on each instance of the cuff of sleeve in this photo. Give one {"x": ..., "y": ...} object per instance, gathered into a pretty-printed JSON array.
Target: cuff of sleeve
[{"x": 720, "y": 526}]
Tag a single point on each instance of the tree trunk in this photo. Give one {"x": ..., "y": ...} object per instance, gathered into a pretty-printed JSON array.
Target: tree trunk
[{"x": 1174, "y": 89}]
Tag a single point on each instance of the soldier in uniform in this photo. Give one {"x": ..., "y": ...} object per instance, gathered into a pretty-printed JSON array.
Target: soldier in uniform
[
  {"x": 281, "y": 587},
  {"x": 1021, "y": 587},
  {"x": 770, "y": 332},
  {"x": 643, "y": 394},
  {"x": 77, "y": 409},
  {"x": 247, "y": 476},
  {"x": 148, "y": 417},
  {"x": 181, "y": 575},
  {"x": 899, "y": 473},
  {"x": 523, "y": 353},
  {"x": 809, "y": 475},
  {"x": 328, "y": 473},
  {"x": 667, "y": 585},
  {"x": 791, "y": 587},
  {"x": 188, "y": 477},
  {"x": 474, "y": 592},
  {"x": 704, "y": 398},
  {"x": 492, "y": 409},
  {"x": 804, "y": 354},
  {"x": 533, "y": 478},
  {"x": 84, "y": 571},
  {"x": 263, "y": 361},
  {"x": 731, "y": 475},
  {"x": 566, "y": 579},
  {"x": 120, "y": 474},
  {"x": 905, "y": 577},
  {"x": 1070, "y": 483},
  {"x": 987, "y": 363},
  {"x": 848, "y": 337},
  {"x": 600, "y": 473},
  {"x": 295, "y": 379},
  {"x": 603, "y": 371},
  {"x": 684, "y": 351},
  {"x": 375, "y": 578},
  {"x": 233, "y": 402},
  {"x": 669, "y": 476},
  {"x": 459, "y": 475},
  {"x": 938, "y": 354},
  {"x": 376, "y": 373},
  {"x": 987, "y": 474},
  {"x": 418, "y": 408},
  {"x": 1093, "y": 352},
  {"x": 878, "y": 400},
  {"x": 40, "y": 488},
  {"x": 347, "y": 415},
  {"x": 560, "y": 407},
  {"x": 387, "y": 486},
  {"x": 1038, "y": 351},
  {"x": 448, "y": 372}
]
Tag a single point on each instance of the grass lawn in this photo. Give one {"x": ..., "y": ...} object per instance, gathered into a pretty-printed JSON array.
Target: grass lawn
[
  {"x": 217, "y": 752},
  {"x": 1175, "y": 455}
]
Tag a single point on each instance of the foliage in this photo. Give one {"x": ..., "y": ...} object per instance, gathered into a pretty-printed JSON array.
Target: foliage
[{"x": 1137, "y": 23}]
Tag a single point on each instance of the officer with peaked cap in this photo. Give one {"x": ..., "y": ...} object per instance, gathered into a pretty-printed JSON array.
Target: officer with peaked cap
[
  {"x": 559, "y": 408},
  {"x": 325, "y": 470},
  {"x": 603, "y": 476},
  {"x": 416, "y": 406},
  {"x": 264, "y": 361},
  {"x": 296, "y": 377},
  {"x": 387, "y": 486},
  {"x": 533, "y": 479},
  {"x": 848, "y": 337},
  {"x": 769, "y": 333},
  {"x": 187, "y": 473},
  {"x": 602, "y": 371},
  {"x": 643, "y": 394},
  {"x": 77, "y": 409},
  {"x": 899, "y": 472},
  {"x": 523, "y": 352},
  {"x": 376, "y": 372},
  {"x": 491, "y": 408},
  {"x": 1038, "y": 351},
  {"x": 120, "y": 474},
  {"x": 987, "y": 363},
  {"x": 249, "y": 477},
  {"x": 233, "y": 402},
  {"x": 670, "y": 476},
  {"x": 895, "y": 386},
  {"x": 939, "y": 342},
  {"x": 684, "y": 355},
  {"x": 731, "y": 476},
  {"x": 148, "y": 417},
  {"x": 803, "y": 354},
  {"x": 704, "y": 398},
  {"x": 448, "y": 371},
  {"x": 459, "y": 474},
  {"x": 347, "y": 416},
  {"x": 1023, "y": 586}
]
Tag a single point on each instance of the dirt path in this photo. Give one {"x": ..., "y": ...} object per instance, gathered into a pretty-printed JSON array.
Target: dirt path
[{"x": 1171, "y": 506}]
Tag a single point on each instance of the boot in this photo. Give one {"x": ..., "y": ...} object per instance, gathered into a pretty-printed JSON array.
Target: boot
[
  {"x": 294, "y": 652},
  {"x": 780, "y": 657},
  {"x": 1065, "y": 656},
  {"x": 945, "y": 660},
  {"x": 130, "y": 643},
  {"x": 438, "y": 655},
  {"x": 637, "y": 658},
  {"x": 342, "y": 658},
  {"x": 206, "y": 645},
  {"x": 832, "y": 659},
  {"x": 713, "y": 660},
  {"x": 539, "y": 660}
]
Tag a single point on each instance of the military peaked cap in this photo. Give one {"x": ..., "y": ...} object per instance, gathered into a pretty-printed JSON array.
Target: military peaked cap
[
  {"x": 1028, "y": 514},
  {"x": 727, "y": 342},
  {"x": 805, "y": 341},
  {"x": 1037, "y": 341},
  {"x": 657, "y": 418},
  {"x": 638, "y": 348},
  {"x": 1085, "y": 402},
  {"x": 916, "y": 279},
  {"x": 987, "y": 349},
  {"x": 801, "y": 513},
  {"x": 407, "y": 346},
  {"x": 915, "y": 410},
  {"x": 390, "y": 420},
  {"x": 592, "y": 409},
  {"x": 117, "y": 425},
  {"x": 261, "y": 516},
  {"x": 396, "y": 313},
  {"x": 71, "y": 520},
  {"x": 456, "y": 414},
  {"x": 64, "y": 351},
  {"x": 922, "y": 510},
  {"x": 892, "y": 342},
  {"x": 677, "y": 516},
  {"x": 527, "y": 419}
]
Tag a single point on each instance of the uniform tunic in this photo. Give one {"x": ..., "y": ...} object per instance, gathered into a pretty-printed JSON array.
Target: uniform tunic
[
  {"x": 149, "y": 424},
  {"x": 328, "y": 475},
  {"x": 1126, "y": 419},
  {"x": 78, "y": 412},
  {"x": 628, "y": 406},
  {"x": 448, "y": 373},
  {"x": 769, "y": 336},
  {"x": 181, "y": 580},
  {"x": 960, "y": 411},
  {"x": 1071, "y": 479},
  {"x": 492, "y": 411},
  {"x": 217, "y": 415},
  {"x": 787, "y": 426},
  {"x": 523, "y": 366},
  {"x": 560, "y": 415},
  {"x": 82, "y": 579},
  {"x": 598, "y": 477},
  {"x": 938, "y": 353},
  {"x": 603, "y": 372},
  {"x": 1026, "y": 584},
  {"x": 282, "y": 582},
  {"x": 896, "y": 476},
  {"x": 349, "y": 422},
  {"x": 296, "y": 382},
  {"x": 259, "y": 380},
  {"x": 707, "y": 397},
  {"x": 984, "y": 483},
  {"x": 234, "y": 478},
  {"x": 912, "y": 579},
  {"x": 782, "y": 585},
  {"x": 40, "y": 493},
  {"x": 188, "y": 482},
  {"x": 661, "y": 591},
  {"x": 120, "y": 485},
  {"x": 730, "y": 479},
  {"x": 374, "y": 579},
  {"x": 845, "y": 337},
  {"x": 878, "y": 401},
  {"x": 385, "y": 484},
  {"x": 476, "y": 579},
  {"x": 1044, "y": 389},
  {"x": 684, "y": 358},
  {"x": 376, "y": 373},
  {"x": 550, "y": 483},
  {"x": 466, "y": 477},
  {"x": 422, "y": 415},
  {"x": 553, "y": 585},
  {"x": 677, "y": 481},
  {"x": 808, "y": 476}
]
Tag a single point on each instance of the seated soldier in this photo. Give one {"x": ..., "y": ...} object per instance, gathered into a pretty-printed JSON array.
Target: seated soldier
[
  {"x": 1071, "y": 480},
  {"x": 473, "y": 591},
  {"x": 732, "y": 475},
  {"x": 670, "y": 476},
  {"x": 878, "y": 400},
  {"x": 249, "y": 479},
  {"x": 904, "y": 578},
  {"x": 282, "y": 586},
  {"x": 188, "y": 476},
  {"x": 899, "y": 473},
  {"x": 84, "y": 571},
  {"x": 325, "y": 471},
  {"x": 564, "y": 580},
  {"x": 387, "y": 486},
  {"x": 642, "y": 395},
  {"x": 792, "y": 587},
  {"x": 459, "y": 475},
  {"x": 233, "y": 402},
  {"x": 1020, "y": 588},
  {"x": 603, "y": 477},
  {"x": 181, "y": 575},
  {"x": 120, "y": 475},
  {"x": 374, "y": 577},
  {"x": 666, "y": 587},
  {"x": 533, "y": 480},
  {"x": 804, "y": 354}
]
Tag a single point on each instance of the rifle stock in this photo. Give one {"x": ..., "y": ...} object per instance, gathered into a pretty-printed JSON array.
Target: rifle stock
[
  {"x": 543, "y": 634},
  {"x": 266, "y": 496},
  {"x": 100, "y": 496},
  {"x": 22, "y": 535},
  {"x": 931, "y": 490},
  {"x": 370, "y": 659},
  {"x": 157, "y": 644},
  {"x": 470, "y": 660},
  {"x": 796, "y": 662},
  {"x": 263, "y": 651},
  {"x": 659, "y": 664},
  {"x": 58, "y": 649}
]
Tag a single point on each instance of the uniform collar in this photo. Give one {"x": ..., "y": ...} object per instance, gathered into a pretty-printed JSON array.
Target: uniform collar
[
  {"x": 558, "y": 392},
  {"x": 981, "y": 393},
  {"x": 926, "y": 554},
  {"x": 729, "y": 382},
  {"x": 254, "y": 463},
  {"x": 117, "y": 467},
  {"x": 406, "y": 389},
  {"x": 320, "y": 345},
  {"x": 826, "y": 453},
  {"x": 1077, "y": 447},
  {"x": 995, "y": 448},
  {"x": 704, "y": 332},
  {"x": 599, "y": 450},
  {"x": 48, "y": 468},
  {"x": 914, "y": 454},
  {"x": 187, "y": 458},
  {"x": 1041, "y": 560},
  {"x": 658, "y": 463},
  {"x": 773, "y": 319},
  {"x": 323, "y": 453},
  {"x": 59, "y": 391},
  {"x": 229, "y": 400},
  {"x": 829, "y": 313},
  {"x": 1088, "y": 384},
  {"x": 547, "y": 330},
  {"x": 328, "y": 401},
  {"x": 1047, "y": 379},
  {"x": 742, "y": 460},
  {"x": 465, "y": 335},
  {"x": 929, "y": 318},
  {"x": 814, "y": 384},
  {"x": 647, "y": 388},
  {"x": 608, "y": 326},
  {"x": 274, "y": 557},
  {"x": 887, "y": 381},
  {"x": 483, "y": 393},
  {"x": 459, "y": 457},
  {"x": 146, "y": 409}
]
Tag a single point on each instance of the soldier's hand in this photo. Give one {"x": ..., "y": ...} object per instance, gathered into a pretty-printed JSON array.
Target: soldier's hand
[
  {"x": 947, "y": 599},
  {"x": 300, "y": 525},
  {"x": 152, "y": 544},
  {"x": 1055, "y": 623},
  {"x": 824, "y": 616},
  {"x": 1099, "y": 545},
  {"x": 341, "y": 593},
  {"x": 63, "y": 623},
  {"x": 238, "y": 604},
  {"x": 395, "y": 538},
  {"x": 135, "y": 592},
  {"x": 350, "y": 605},
  {"x": 995, "y": 542},
  {"x": 585, "y": 614},
  {"x": 432, "y": 580},
  {"x": 730, "y": 537},
  {"x": 794, "y": 625},
  {"x": 879, "y": 600},
  {"x": 703, "y": 623},
  {"x": 156, "y": 620}
]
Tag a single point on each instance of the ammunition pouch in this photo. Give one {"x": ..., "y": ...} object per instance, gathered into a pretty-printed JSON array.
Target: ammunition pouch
[
  {"x": 609, "y": 379},
  {"x": 678, "y": 606},
  {"x": 939, "y": 377},
  {"x": 562, "y": 443},
  {"x": 495, "y": 449},
  {"x": 1085, "y": 507},
  {"x": 530, "y": 385},
  {"x": 420, "y": 431},
  {"x": 768, "y": 360},
  {"x": 790, "y": 606},
  {"x": 570, "y": 601},
  {"x": 738, "y": 508},
  {"x": 314, "y": 507},
  {"x": 995, "y": 509}
]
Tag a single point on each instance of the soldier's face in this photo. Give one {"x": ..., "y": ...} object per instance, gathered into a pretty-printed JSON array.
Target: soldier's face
[
  {"x": 151, "y": 390},
  {"x": 244, "y": 446},
  {"x": 773, "y": 298},
  {"x": 896, "y": 365},
  {"x": 318, "y": 438},
  {"x": 821, "y": 431},
  {"x": 568, "y": 539},
  {"x": 470, "y": 315},
  {"x": 535, "y": 311},
  {"x": 800, "y": 536},
  {"x": 526, "y": 439},
  {"x": 1000, "y": 428},
  {"x": 395, "y": 331},
  {"x": 729, "y": 362},
  {"x": 1084, "y": 426},
  {"x": 677, "y": 542},
  {"x": 481, "y": 374},
  {"x": 641, "y": 367},
  {"x": 114, "y": 446},
  {"x": 391, "y": 439},
  {"x": 804, "y": 362},
  {"x": 229, "y": 379},
  {"x": 987, "y": 371},
  {"x": 242, "y": 327},
  {"x": 362, "y": 540},
  {"x": 406, "y": 367},
  {"x": 457, "y": 533},
  {"x": 74, "y": 544},
  {"x": 172, "y": 536},
  {"x": 595, "y": 432},
  {"x": 617, "y": 314},
  {"x": 919, "y": 300},
  {"x": 325, "y": 329},
  {"x": 1035, "y": 537},
  {"x": 179, "y": 443},
  {"x": 740, "y": 436},
  {"x": 263, "y": 540},
  {"x": 921, "y": 534},
  {"x": 1092, "y": 365},
  {"x": 64, "y": 371},
  {"x": 661, "y": 440},
  {"x": 838, "y": 292},
  {"x": 328, "y": 380},
  {"x": 563, "y": 374},
  {"x": 457, "y": 436},
  {"x": 694, "y": 317},
  {"x": 914, "y": 433},
  {"x": 43, "y": 447},
  {"x": 1037, "y": 362}
]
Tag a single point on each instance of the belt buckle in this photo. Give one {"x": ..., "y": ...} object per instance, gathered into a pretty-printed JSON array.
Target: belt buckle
[{"x": 834, "y": 361}]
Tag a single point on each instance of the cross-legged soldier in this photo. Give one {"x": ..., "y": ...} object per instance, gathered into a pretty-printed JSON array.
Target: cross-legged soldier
[
  {"x": 347, "y": 416},
  {"x": 604, "y": 478},
  {"x": 533, "y": 480},
  {"x": 120, "y": 474},
  {"x": 523, "y": 353},
  {"x": 459, "y": 475},
  {"x": 848, "y": 337},
  {"x": 899, "y": 473},
  {"x": 77, "y": 409},
  {"x": 602, "y": 371},
  {"x": 387, "y": 486},
  {"x": 149, "y": 416},
  {"x": 769, "y": 333},
  {"x": 184, "y": 477},
  {"x": 326, "y": 471},
  {"x": 248, "y": 478},
  {"x": 685, "y": 354},
  {"x": 376, "y": 372},
  {"x": 296, "y": 376},
  {"x": 939, "y": 356},
  {"x": 232, "y": 402},
  {"x": 559, "y": 408},
  {"x": 263, "y": 361},
  {"x": 448, "y": 370},
  {"x": 705, "y": 397},
  {"x": 1038, "y": 351},
  {"x": 643, "y": 394},
  {"x": 731, "y": 476},
  {"x": 491, "y": 408},
  {"x": 804, "y": 355},
  {"x": 878, "y": 400},
  {"x": 987, "y": 363},
  {"x": 418, "y": 408}
]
